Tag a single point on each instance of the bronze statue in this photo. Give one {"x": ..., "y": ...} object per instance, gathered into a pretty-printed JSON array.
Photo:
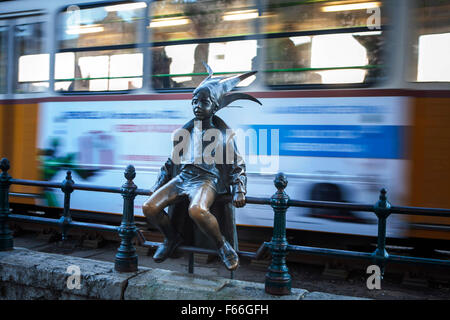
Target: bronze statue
[{"x": 199, "y": 176}]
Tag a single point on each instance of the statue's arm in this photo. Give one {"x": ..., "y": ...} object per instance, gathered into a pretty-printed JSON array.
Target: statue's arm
[
  {"x": 165, "y": 174},
  {"x": 167, "y": 170},
  {"x": 238, "y": 176}
]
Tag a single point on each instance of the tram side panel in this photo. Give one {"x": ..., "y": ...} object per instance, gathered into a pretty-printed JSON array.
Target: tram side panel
[
  {"x": 331, "y": 148},
  {"x": 98, "y": 139},
  {"x": 430, "y": 172},
  {"x": 18, "y": 144}
]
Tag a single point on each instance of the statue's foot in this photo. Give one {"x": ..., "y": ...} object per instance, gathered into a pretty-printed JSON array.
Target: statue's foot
[
  {"x": 167, "y": 248},
  {"x": 229, "y": 257}
]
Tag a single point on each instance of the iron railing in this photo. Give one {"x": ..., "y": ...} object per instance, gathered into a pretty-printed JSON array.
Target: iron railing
[{"x": 278, "y": 279}]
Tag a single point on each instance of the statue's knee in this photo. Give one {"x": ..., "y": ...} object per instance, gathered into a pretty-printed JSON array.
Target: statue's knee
[
  {"x": 149, "y": 209},
  {"x": 196, "y": 212}
]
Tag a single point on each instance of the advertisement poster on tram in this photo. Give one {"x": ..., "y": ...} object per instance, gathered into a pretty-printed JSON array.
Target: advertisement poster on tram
[{"x": 337, "y": 149}]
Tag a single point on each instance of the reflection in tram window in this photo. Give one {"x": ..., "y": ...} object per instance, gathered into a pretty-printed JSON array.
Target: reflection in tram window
[
  {"x": 101, "y": 26},
  {"x": 111, "y": 69},
  {"x": 177, "y": 20},
  {"x": 32, "y": 64},
  {"x": 98, "y": 70},
  {"x": 287, "y": 15},
  {"x": 431, "y": 46},
  {"x": 3, "y": 57},
  {"x": 334, "y": 56},
  {"x": 180, "y": 66}
]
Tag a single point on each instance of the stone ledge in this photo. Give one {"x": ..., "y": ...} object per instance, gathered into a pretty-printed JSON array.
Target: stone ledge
[
  {"x": 27, "y": 274},
  {"x": 169, "y": 285}
]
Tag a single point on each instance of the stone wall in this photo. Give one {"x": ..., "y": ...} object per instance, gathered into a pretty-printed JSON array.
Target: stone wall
[{"x": 27, "y": 274}]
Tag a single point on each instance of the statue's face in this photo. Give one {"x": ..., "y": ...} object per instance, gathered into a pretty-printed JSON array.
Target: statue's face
[{"x": 202, "y": 105}]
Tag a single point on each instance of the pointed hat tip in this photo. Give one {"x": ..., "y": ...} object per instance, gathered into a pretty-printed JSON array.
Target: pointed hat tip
[{"x": 208, "y": 68}]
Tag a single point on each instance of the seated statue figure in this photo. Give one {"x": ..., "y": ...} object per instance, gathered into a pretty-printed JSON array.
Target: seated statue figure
[{"x": 204, "y": 163}]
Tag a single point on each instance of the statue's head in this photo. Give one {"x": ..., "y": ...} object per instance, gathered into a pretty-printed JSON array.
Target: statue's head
[
  {"x": 214, "y": 94},
  {"x": 203, "y": 105}
]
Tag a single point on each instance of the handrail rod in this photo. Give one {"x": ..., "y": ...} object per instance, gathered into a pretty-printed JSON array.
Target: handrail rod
[{"x": 438, "y": 212}]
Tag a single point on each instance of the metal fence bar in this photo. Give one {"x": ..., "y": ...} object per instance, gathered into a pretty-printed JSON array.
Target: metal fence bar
[
  {"x": 278, "y": 279},
  {"x": 46, "y": 184},
  {"x": 365, "y": 255},
  {"x": 432, "y": 212},
  {"x": 191, "y": 262},
  {"x": 56, "y": 185},
  {"x": 382, "y": 210},
  {"x": 436, "y": 212},
  {"x": 191, "y": 249},
  {"x": 330, "y": 205},
  {"x": 57, "y": 223},
  {"x": 6, "y": 238},
  {"x": 126, "y": 257},
  {"x": 416, "y": 260},
  {"x": 66, "y": 219}
]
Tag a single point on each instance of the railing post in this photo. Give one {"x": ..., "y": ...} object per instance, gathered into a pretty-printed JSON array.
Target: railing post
[
  {"x": 66, "y": 219},
  {"x": 278, "y": 280},
  {"x": 382, "y": 210},
  {"x": 191, "y": 262},
  {"x": 126, "y": 258},
  {"x": 6, "y": 238}
]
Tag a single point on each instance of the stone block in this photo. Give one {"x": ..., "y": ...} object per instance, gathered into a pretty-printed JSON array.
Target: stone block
[{"x": 40, "y": 272}]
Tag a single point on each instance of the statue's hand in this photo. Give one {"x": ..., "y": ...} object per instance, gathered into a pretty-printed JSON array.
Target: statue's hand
[{"x": 239, "y": 199}]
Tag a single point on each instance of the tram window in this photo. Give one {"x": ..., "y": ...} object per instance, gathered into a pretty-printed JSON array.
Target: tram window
[
  {"x": 98, "y": 70},
  {"x": 431, "y": 46},
  {"x": 100, "y": 26},
  {"x": 179, "y": 20},
  {"x": 32, "y": 64},
  {"x": 111, "y": 27},
  {"x": 338, "y": 42},
  {"x": 3, "y": 57},
  {"x": 180, "y": 65},
  {"x": 287, "y": 15}
]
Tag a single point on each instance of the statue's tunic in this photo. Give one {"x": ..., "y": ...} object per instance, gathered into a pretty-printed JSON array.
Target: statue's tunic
[{"x": 220, "y": 166}]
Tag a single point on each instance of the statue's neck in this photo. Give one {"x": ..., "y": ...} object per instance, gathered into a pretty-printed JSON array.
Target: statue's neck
[{"x": 206, "y": 123}]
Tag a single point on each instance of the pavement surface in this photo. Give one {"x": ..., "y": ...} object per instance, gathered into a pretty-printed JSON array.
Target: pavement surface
[{"x": 320, "y": 284}]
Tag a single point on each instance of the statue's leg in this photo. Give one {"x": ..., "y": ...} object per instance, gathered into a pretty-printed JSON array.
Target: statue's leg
[
  {"x": 153, "y": 210},
  {"x": 199, "y": 206},
  {"x": 201, "y": 202}
]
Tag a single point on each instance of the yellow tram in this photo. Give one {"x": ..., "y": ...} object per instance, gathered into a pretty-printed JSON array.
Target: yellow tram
[{"x": 356, "y": 96}]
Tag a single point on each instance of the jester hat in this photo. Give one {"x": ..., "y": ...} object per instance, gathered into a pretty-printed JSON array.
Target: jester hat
[{"x": 219, "y": 88}]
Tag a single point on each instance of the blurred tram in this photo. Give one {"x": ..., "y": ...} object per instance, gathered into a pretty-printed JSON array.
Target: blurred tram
[{"x": 356, "y": 97}]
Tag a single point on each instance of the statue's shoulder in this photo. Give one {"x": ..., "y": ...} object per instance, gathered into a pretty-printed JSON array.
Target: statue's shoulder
[
  {"x": 188, "y": 125},
  {"x": 227, "y": 132},
  {"x": 219, "y": 123},
  {"x": 181, "y": 131}
]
